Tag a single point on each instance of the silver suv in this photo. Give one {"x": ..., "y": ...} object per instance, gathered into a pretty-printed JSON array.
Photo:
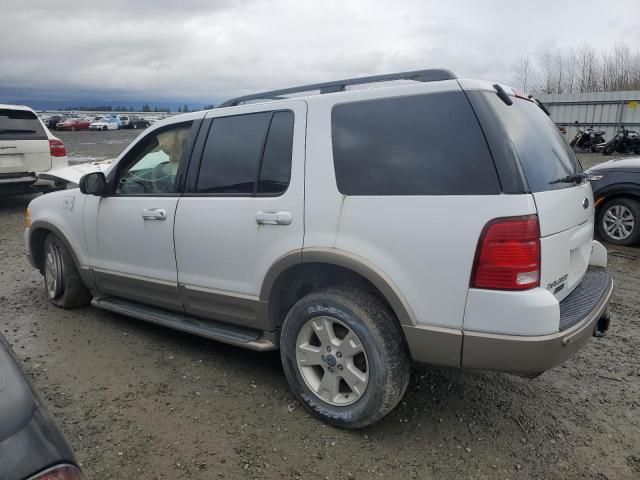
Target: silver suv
[{"x": 356, "y": 229}]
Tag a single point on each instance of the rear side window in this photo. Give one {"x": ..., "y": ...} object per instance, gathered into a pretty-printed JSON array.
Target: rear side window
[
  {"x": 20, "y": 125},
  {"x": 247, "y": 154},
  {"x": 543, "y": 153},
  {"x": 420, "y": 145}
]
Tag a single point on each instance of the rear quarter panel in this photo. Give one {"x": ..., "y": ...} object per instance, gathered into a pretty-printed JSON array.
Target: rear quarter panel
[{"x": 425, "y": 244}]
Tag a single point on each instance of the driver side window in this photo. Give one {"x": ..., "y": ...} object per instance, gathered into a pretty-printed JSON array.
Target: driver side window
[{"x": 154, "y": 164}]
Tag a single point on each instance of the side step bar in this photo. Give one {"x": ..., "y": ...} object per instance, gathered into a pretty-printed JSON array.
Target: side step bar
[{"x": 219, "y": 331}]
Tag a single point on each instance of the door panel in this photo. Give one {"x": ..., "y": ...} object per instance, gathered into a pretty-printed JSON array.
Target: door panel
[
  {"x": 226, "y": 242},
  {"x": 132, "y": 250},
  {"x": 134, "y": 256}
]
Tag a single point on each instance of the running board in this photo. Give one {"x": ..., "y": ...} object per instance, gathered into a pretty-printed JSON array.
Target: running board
[{"x": 219, "y": 331}]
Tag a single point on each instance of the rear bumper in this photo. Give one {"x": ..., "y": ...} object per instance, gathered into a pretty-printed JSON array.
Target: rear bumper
[
  {"x": 26, "y": 184},
  {"x": 530, "y": 355}
]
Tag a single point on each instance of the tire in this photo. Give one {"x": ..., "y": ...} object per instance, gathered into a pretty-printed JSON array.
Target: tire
[
  {"x": 135, "y": 127},
  {"x": 593, "y": 149},
  {"x": 626, "y": 233},
  {"x": 104, "y": 129},
  {"x": 62, "y": 283},
  {"x": 382, "y": 368},
  {"x": 608, "y": 148}
]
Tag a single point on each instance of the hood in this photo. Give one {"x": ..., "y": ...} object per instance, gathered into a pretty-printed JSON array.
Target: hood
[
  {"x": 629, "y": 164},
  {"x": 73, "y": 173}
]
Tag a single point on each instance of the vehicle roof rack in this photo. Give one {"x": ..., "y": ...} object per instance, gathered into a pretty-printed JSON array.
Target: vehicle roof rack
[{"x": 431, "y": 75}]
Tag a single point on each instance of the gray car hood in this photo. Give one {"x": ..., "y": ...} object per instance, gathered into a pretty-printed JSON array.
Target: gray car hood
[{"x": 629, "y": 164}]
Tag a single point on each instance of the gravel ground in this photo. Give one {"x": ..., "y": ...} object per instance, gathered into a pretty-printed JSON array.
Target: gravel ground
[{"x": 144, "y": 402}]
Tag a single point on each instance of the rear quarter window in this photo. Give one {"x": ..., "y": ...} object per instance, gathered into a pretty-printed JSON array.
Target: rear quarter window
[
  {"x": 419, "y": 145},
  {"x": 20, "y": 125}
]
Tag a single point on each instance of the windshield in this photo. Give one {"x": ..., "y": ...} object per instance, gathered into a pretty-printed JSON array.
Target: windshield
[{"x": 543, "y": 153}]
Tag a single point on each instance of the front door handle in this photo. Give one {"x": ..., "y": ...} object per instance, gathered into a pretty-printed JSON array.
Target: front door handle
[
  {"x": 274, "y": 218},
  {"x": 154, "y": 214}
]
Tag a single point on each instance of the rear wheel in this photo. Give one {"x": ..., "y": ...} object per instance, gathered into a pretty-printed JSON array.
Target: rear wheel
[
  {"x": 62, "y": 282},
  {"x": 104, "y": 128},
  {"x": 619, "y": 221},
  {"x": 344, "y": 356}
]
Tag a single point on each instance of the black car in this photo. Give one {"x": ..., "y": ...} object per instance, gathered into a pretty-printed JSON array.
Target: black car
[
  {"x": 31, "y": 446},
  {"x": 616, "y": 190},
  {"x": 52, "y": 121},
  {"x": 138, "y": 122}
]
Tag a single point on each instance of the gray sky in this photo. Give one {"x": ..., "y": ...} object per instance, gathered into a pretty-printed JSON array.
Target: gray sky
[{"x": 213, "y": 49}]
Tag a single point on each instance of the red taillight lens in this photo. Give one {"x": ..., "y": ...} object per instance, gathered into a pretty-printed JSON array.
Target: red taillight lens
[
  {"x": 508, "y": 255},
  {"x": 57, "y": 148},
  {"x": 61, "y": 472}
]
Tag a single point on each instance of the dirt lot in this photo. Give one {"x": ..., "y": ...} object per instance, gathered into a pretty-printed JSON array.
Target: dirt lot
[{"x": 142, "y": 402}]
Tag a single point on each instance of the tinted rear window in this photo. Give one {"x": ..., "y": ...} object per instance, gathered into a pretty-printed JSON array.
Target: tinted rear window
[
  {"x": 20, "y": 125},
  {"x": 543, "y": 152},
  {"x": 420, "y": 145},
  {"x": 248, "y": 154}
]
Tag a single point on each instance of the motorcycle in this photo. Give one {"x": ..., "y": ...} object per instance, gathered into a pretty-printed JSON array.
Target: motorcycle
[
  {"x": 588, "y": 139},
  {"x": 624, "y": 141}
]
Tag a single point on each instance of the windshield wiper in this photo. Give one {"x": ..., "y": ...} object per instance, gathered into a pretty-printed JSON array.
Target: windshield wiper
[{"x": 575, "y": 178}]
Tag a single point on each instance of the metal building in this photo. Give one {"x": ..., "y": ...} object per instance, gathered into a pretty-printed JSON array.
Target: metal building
[{"x": 604, "y": 110}]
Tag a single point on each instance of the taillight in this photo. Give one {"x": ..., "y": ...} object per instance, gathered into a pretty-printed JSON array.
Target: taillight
[
  {"x": 61, "y": 472},
  {"x": 508, "y": 255},
  {"x": 57, "y": 148}
]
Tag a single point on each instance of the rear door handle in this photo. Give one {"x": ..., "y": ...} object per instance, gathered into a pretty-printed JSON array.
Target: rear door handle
[
  {"x": 274, "y": 218},
  {"x": 154, "y": 214}
]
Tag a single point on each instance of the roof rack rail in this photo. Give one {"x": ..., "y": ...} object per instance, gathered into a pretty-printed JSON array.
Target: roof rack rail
[{"x": 432, "y": 75}]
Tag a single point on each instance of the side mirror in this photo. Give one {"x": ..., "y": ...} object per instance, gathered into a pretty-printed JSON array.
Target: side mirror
[{"x": 93, "y": 184}]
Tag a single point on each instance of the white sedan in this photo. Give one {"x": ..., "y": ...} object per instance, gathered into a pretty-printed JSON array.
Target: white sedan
[{"x": 110, "y": 123}]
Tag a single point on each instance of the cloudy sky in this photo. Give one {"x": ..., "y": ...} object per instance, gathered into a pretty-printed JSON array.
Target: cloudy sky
[{"x": 208, "y": 50}]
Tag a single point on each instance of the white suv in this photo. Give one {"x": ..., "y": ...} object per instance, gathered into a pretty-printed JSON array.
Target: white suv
[
  {"x": 27, "y": 148},
  {"x": 440, "y": 220}
]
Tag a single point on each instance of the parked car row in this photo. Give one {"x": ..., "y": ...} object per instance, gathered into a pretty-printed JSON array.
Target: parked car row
[{"x": 108, "y": 122}]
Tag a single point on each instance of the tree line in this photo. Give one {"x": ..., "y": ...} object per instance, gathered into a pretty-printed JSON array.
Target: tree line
[
  {"x": 578, "y": 69},
  {"x": 144, "y": 108}
]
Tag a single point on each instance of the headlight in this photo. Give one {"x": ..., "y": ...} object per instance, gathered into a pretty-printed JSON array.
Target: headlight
[{"x": 593, "y": 178}]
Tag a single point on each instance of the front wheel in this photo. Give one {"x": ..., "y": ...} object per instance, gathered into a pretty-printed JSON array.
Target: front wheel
[
  {"x": 608, "y": 148},
  {"x": 344, "y": 355},
  {"x": 63, "y": 285},
  {"x": 619, "y": 221}
]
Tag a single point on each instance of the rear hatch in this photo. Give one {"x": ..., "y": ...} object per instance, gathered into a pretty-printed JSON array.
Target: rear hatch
[
  {"x": 24, "y": 145},
  {"x": 564, "y": 200}
]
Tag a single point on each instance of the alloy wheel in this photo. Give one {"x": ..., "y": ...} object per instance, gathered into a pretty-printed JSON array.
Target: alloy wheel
[
  {"x": 53, "y": 272},
  {"x": 618, "y": 222},
  {"x": 332, "y": 361}
]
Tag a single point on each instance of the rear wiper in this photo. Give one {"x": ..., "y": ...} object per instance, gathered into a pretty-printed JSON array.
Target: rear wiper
[
  {"x": 9, "y": 130},
  {"x": 575, "y": 178}
]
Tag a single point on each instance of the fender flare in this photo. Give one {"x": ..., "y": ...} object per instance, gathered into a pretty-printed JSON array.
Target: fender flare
[
  {"x": 350, "y": 261},
  {"x": 618, "y": 190}
]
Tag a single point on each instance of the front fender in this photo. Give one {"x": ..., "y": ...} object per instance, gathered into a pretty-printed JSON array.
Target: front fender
[{"x": 61, "y": 213}]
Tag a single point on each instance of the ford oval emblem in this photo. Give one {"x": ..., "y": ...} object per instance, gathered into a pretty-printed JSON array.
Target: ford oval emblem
[{"x": 585, "y": 203}]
